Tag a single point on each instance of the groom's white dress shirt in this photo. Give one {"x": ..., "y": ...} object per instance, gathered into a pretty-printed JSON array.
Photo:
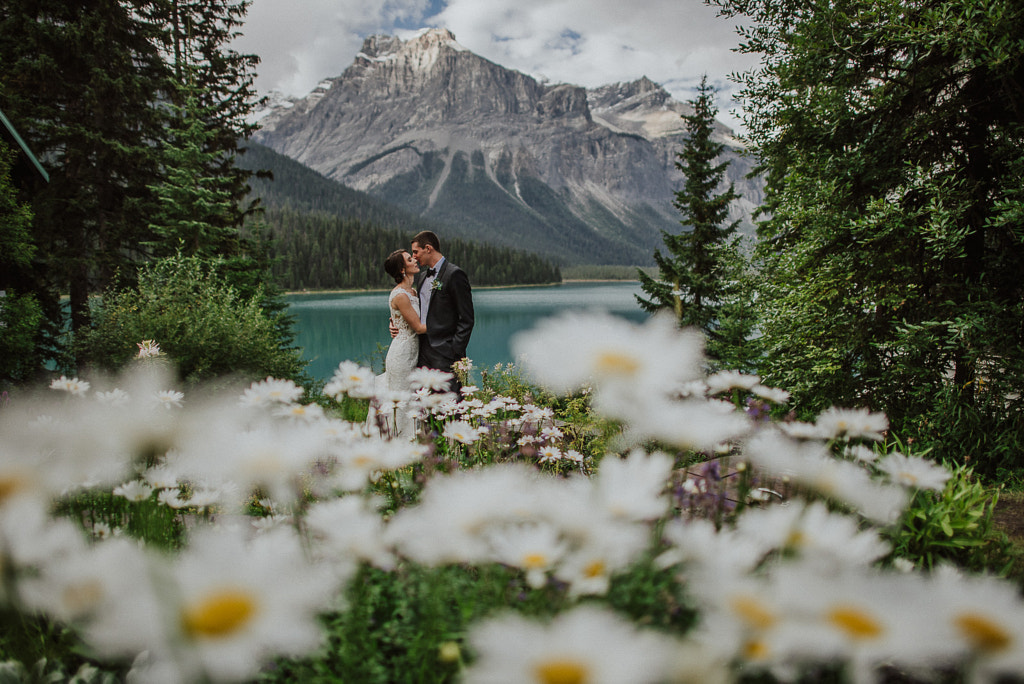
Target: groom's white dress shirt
[{"x": 426, "y": 290}]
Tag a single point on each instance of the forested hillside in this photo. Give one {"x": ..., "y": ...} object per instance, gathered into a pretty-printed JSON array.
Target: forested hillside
[{"x": 327, "y": 236}]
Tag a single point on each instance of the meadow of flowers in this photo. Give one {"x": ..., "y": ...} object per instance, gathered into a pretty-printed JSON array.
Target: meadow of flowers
[{"x": 616, "y": 514}]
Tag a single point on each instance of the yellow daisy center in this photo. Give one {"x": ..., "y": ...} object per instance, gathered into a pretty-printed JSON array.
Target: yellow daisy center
[
  {"x": 594, "y": 569},
  {"x": 796, "y": 539},
  {"x": 982, "y": 633},
  {"x": 10, "y": 485},
  {"x": 219, "y": 614},
  {"x": 756, "y": 650},
  {"x": 616, "y": 363},
  {"x": 82, "y": 596},
  {"x": 562, "y": 672},
  {"x": 753, "y": 612},
  {"x": 855, "y": 622},
  {"x": 535, "y": 560}
]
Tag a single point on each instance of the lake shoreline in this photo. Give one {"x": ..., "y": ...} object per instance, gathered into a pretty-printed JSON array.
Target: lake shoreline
[{"x": 567, "y": 281}]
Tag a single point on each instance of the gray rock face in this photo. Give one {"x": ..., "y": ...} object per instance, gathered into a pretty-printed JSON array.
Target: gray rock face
[{"x": 493, "y": 154}]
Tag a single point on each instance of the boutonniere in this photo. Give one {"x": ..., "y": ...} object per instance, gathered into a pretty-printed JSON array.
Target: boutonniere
[{"x": 436, "y": 285}]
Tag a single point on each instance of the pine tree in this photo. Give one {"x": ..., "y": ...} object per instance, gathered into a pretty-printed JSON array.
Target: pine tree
[{"x": 698, "y": 274}]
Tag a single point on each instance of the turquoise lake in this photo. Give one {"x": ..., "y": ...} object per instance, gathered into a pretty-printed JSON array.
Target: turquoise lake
[{"x": 334, "y": 327}]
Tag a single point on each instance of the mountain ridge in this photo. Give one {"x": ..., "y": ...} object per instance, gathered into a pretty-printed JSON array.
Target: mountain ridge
[{"x": 582, "y": 176}]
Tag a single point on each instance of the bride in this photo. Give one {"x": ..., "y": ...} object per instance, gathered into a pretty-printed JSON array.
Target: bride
[{"x": 403, "y": 353}]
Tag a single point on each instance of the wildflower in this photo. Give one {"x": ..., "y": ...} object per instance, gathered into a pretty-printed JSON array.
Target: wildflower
[
  {"x": 345, "y": 531},
  {"x": 461, "y": 431},
  {"x": 236, "y": 605},
  {"x": 800, "y": 430},
  {"x": 134, "y": 491},
  {"x": 161, "y": 477},
  {"x": 587, "y": 645},
  {"x": 352, "y": 379},
  {"x": 148, "y": 349},
  {"x": 573, "y": 455},
  {"x": 89, "y": 582},
  {"x": 271, "y": 390},
  {"x": 725, "y": 381},
  {"x": 812, "y": 465},
  {"x": 534, "y": 547},
  {"x": 608, "y": 546},
  {"x": 983, "y": 618},
  {"x": 467, "y": 390},
  {"x": 633, "y": 488},
  {"x": 690, "y": 423},
  {"x": 549, "y": 454},
  {"x": 815, "y": 533},
  {"x": 772, "y": 394},
  {"x": 171, "y": 499},
  {"x": 914, "y": 472},
  {"x": 835, "y": 423},
  {"x": 304, "y": 413},
  {"x": 430, "y": 379},
  {"x": 72, "y": 386},
  {"x": 114, "y": 397},
  {"x": 859, "y": 615},
  {"x": 551, "y": 433},
  {"x": 860, "y": 452},
  {"x": 169, "y": 398},
  {"x": 571, "y": 351}
]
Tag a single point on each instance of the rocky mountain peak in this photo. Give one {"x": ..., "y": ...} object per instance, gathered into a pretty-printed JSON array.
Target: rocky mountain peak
[{"x": 492, "y": 153}]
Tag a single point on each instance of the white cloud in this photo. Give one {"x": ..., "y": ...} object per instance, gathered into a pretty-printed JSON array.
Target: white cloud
[{"x": 584, "y": 42}]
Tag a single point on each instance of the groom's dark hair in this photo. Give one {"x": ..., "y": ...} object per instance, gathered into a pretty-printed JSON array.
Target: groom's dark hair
[{"x": 427, "y": 237}]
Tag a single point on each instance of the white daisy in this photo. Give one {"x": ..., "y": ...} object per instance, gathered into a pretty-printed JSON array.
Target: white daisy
[
  {"x": 835, "y": 423},
  {"x": 587, "y": 645},
  {"x": 136, "y": 490},
  {"x": 914, "y": 472},
  {"x": 533, "y": 547},
  {"x": 725, "y": 381},
  {"x": 352, "y": 379},
  {"x": 634, "y": 488},
  {"x": 72, "y": 386},
  {"x": 430, "y": 379},
  {"x": 169, "y": 398},
  {"x": 272, "y": 390}
]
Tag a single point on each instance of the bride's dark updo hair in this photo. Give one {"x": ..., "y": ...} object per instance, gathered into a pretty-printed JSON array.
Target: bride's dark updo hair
[{"x": 394, "y": 265}]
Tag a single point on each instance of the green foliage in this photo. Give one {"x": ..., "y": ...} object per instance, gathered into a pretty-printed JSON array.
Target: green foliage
[
  {"x": 952, "y": 526},
  {"x": 199, "y": 321},
  {"x": 890, "y": 247},
  {"x": 399, "y": 625},
  {"x": 322, "y": 251},
  {"x": 16, "y": 248},
  {"x": 20, "y": 320},
  {"x": 94, "y": 91},
  {"x": 699, "y": 272}
]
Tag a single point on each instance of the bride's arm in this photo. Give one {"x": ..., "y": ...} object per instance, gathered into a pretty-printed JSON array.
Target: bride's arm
[{"x": 404, "y": 307}]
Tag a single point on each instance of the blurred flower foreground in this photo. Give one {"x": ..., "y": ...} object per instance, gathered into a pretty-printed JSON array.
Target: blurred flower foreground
[{"x": 199, "y": 537}]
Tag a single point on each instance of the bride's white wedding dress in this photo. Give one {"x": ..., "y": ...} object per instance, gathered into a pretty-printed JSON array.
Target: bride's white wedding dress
[
  {"x": 399, "y": 363},
  {"x": 405, "y": 348}
]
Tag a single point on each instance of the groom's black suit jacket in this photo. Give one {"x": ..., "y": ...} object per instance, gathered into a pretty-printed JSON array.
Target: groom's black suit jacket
[{"x": 449, "y": 318}]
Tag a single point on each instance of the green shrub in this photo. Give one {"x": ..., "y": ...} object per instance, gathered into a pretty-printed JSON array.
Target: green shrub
[
  {"x": 954, "y": 526},
  {"x": 20, "y": 318},
  {"x": 198, "y": 320}
]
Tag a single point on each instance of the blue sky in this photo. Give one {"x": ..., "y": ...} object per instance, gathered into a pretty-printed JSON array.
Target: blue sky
[{"x": 583, "y": 42}]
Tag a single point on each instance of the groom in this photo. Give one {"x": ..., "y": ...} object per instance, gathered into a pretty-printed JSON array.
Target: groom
[{"x": 446, "y": 306}]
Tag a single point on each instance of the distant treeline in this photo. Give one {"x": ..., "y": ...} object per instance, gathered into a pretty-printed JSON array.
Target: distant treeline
[
  {"x": 328, "y": 236},
  {"x": 320, "y": 251}
]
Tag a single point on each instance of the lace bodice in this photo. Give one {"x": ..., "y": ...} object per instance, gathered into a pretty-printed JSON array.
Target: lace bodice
[{"x": 396, "y": 316}]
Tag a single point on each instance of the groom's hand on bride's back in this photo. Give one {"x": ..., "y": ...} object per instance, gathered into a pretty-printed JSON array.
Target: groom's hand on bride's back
[{"x": 392, "y": 328}]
